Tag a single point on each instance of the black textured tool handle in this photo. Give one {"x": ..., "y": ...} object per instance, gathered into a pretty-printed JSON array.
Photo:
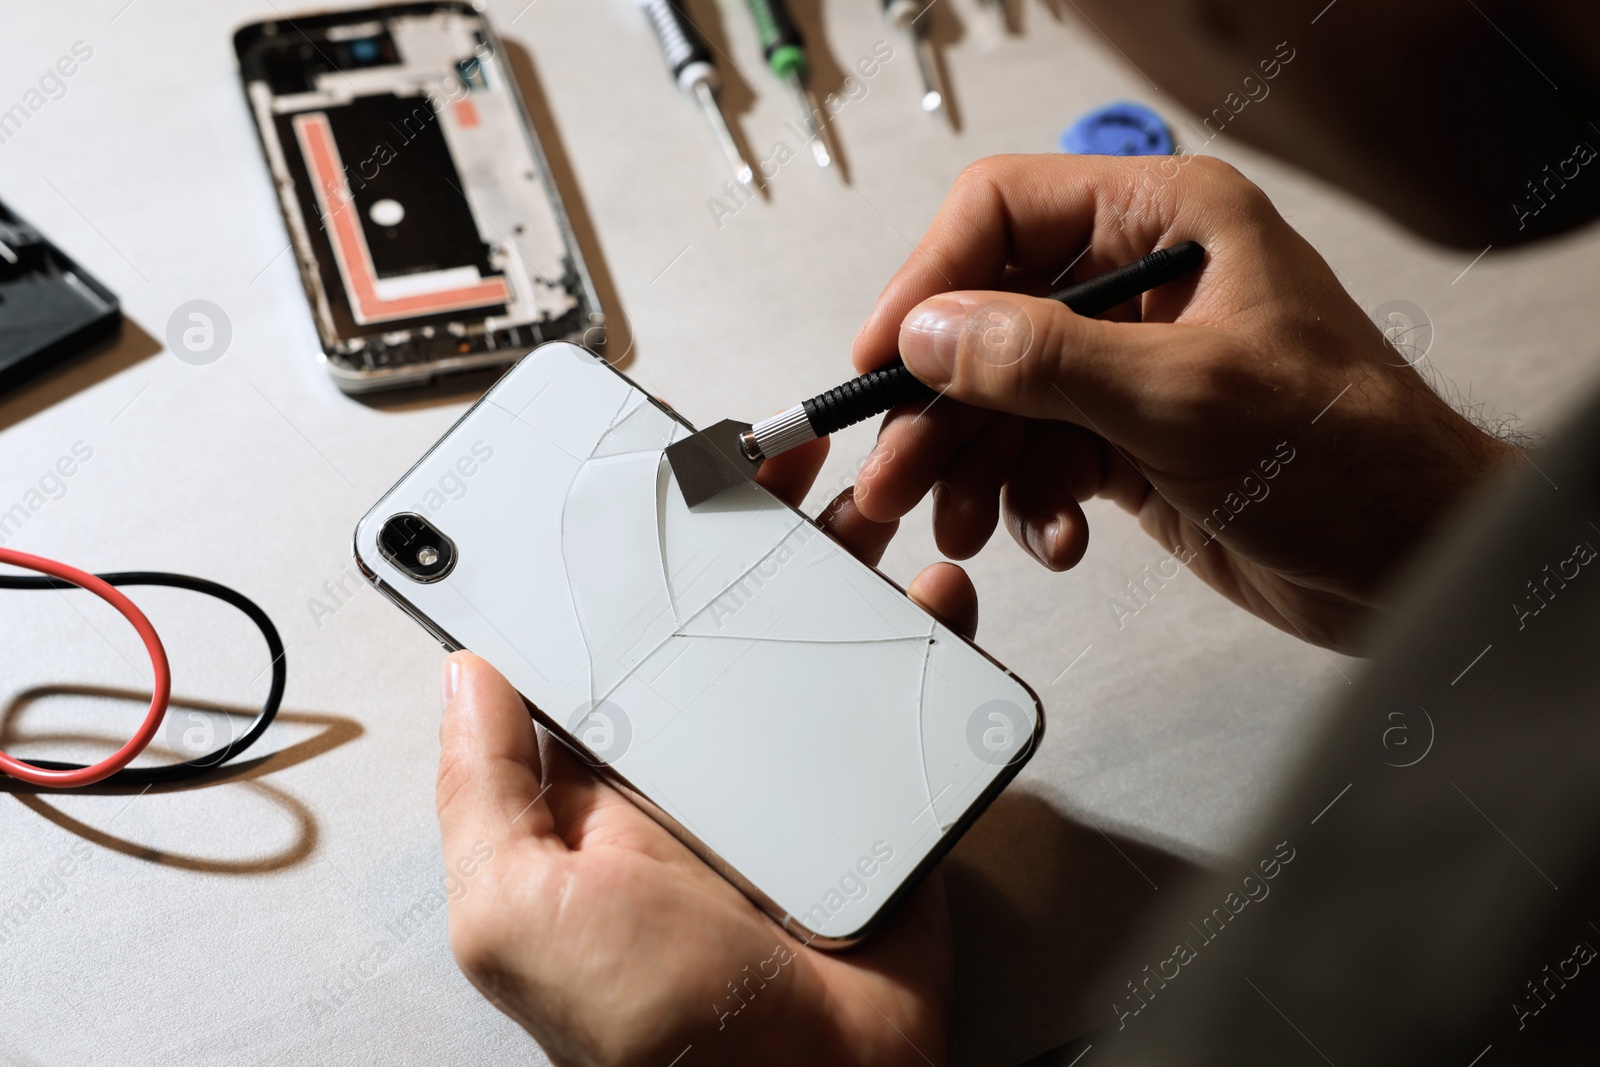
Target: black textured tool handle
[
  {"x": 860, "y": 398},
  {"x": 1105, "y": 291},
  {"x": 681, "y": 43},
  {"x": 893, "y": 385}
]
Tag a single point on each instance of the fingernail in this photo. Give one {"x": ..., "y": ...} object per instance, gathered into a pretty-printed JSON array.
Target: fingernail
[
  {"x": 1032, "y": 541},
  {"x": 1053, "y": 534},
  {"x": 1042, "y": 540},
  {"x": 449, "y": 679},
  {"x": 929, "y": 338}
]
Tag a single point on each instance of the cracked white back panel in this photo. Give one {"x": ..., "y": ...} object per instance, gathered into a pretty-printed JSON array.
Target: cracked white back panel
[{"x": 780, "y": 700}]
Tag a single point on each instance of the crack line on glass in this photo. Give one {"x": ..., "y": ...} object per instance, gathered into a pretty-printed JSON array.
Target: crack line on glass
[
  {"x": 922, "y": 744},
  {"x": 663, "y": 476},
  {"x": 867, "y": 600},
  {"x": 806, "y": 640},
  {"x": 609, "y": 456},
  {"x": 678, "y": 632},
  {"x": 662, "y": 487},
  {"x": 747, "y": 572},
  {"x": 566, "y": 566},
  {"x": 517, "y": 417}
]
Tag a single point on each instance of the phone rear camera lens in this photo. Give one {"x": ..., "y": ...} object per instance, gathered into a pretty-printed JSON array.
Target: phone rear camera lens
[{"x": 416, "y": 547}]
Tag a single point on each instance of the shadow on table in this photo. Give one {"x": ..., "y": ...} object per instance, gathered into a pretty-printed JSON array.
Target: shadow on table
[
  {"x": 825, "y": 77},
  {"x": 618, "y": 333},
  {"x": 335, "y": 731},
  {"x": 77, "y": 373},
  {"x": 1041, "y": 905}
]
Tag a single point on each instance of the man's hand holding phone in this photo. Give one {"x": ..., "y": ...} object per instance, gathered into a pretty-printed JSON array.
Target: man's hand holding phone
[{"x": 612, "y": 943}]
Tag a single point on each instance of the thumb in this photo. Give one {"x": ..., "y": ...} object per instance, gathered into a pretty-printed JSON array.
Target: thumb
[
  {"x": 488, "y": 787},
  {"x": 1036, "y": 358}
]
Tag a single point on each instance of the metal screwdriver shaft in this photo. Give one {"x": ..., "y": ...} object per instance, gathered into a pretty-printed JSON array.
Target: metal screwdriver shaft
[
  {"x": 808, "y": 120},
  {"x": 719, "y": 126},
  {"x": 906, "y": 16},
  {"x": 689, "y": 61},
  {"x": 785, "y": 53}
]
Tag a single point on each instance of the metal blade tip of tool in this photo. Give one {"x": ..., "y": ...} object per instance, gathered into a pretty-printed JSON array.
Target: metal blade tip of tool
[{"x": 709, "y": 463}]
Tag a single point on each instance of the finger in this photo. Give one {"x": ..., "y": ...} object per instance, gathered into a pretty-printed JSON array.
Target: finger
[
  {"x": 1034, "y": 212},
  {"x": 1125, "y": 484},
  {"x": 1073, "y": 463},
  {"x": 860, "y": 536},
  {"x": 1081, "y": 465},
  {"x": 1036, "y": 358},
  {"x": 1056, "y": 536},
  {"x": 789, "y": 476},
  {"x": 944, "y": 591},
  {"x": 915, "y": 446},
  {"x": 583, "y": 805},
  {"x": 1043, "y": 519},
  {"x": 966, "y": 500},
  {"x": 488, "y": 787},
  {"x": 1061, "y": 466}
]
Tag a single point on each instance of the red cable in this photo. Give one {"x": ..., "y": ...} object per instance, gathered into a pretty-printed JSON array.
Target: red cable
[{"x": 161, "y": 688}]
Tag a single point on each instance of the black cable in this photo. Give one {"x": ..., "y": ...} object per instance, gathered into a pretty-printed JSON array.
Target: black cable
[{"x": 176, "y": 772}]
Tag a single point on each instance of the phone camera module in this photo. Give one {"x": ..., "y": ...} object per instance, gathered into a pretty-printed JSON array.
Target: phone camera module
[{"x": 417, "y": 547}]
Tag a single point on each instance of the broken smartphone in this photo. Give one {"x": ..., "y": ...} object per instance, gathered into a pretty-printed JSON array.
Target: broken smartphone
[
  {"x": 778, "y": 705},
  {"x": 429, "y": 235}
]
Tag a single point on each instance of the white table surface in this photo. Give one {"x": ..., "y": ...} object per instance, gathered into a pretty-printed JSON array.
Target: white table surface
[{"x": 198, "y": 926}]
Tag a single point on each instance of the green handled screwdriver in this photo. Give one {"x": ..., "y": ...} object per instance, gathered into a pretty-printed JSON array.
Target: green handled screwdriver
[{"x": 786, "y": 55}]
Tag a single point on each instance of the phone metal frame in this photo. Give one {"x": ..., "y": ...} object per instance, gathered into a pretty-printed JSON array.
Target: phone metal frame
[{"x": 364, "y": 381}]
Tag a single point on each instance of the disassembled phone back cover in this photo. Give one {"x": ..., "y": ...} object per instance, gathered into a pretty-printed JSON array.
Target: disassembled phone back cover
[
  {"x": 419, "y": 204},
  {"x": 773, "y": 701}
]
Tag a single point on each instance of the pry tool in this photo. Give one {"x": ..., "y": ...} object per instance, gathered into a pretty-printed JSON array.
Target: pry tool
[
  {"x": 785, "y": 53},
  {"x": 689, "y": 62},
  {"x": 728, "y": 454}
]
